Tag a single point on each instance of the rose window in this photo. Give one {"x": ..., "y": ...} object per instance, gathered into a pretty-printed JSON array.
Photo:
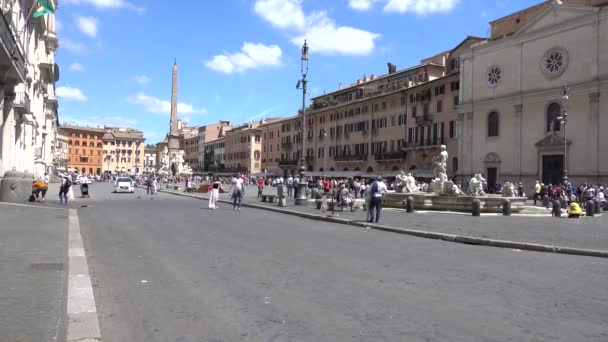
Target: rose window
[{"x": 494, "y": 76}]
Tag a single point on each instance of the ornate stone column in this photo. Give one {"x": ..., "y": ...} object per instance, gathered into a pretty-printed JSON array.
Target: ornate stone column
[
  {"x": 8, "y": 124},
  {"x": 518, "y": 133},
  {"x": 594, "y": 132}
]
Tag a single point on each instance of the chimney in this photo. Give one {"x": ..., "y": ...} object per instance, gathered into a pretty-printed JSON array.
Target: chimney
[
  {"x": 340, "y": 86},
  {"x": 392, "y": 68}
]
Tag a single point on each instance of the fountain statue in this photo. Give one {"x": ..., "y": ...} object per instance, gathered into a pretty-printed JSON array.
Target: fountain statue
[
  {"x": 508, "y": 190},
  {"x": 441, "y": 185},
  {"x": 405, "y": 183},
  {"x": 476, "y": 185}
]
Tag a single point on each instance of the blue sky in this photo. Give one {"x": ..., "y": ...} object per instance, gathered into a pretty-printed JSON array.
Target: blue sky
[{"x": 239, "y": 60}]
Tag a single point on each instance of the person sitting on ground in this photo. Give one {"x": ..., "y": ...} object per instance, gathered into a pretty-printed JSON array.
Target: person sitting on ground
[
  {"x": 575, "y": 210},
  {"x": 39, "y": 189}
]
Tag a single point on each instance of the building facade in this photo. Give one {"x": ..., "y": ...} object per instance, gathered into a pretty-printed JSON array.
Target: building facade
[
  {"x": 190, "y": 147},
  {"x": 214, "y": 155},
  {"x": 150, "y": 159},
  {"x": 512, "y": 96},
  {"x": 28, "y": 126},
  {"x": 60, "y": 151},
  {"x": 85, "y": 148},
  {"x": 123, "y": 150},
  {"x": 242, "y": 148},
  {"x": 209, "y": 133}
]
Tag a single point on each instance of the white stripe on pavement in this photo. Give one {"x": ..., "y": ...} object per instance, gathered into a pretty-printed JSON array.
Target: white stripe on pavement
[{"x": 83, "y": 323}]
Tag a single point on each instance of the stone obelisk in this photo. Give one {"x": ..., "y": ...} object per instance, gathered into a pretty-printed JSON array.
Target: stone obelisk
[{"x": 173, "y": 132}]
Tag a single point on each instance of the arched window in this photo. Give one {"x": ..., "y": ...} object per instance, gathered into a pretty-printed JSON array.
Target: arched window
[
  {"x": 454, "y": 164},
  {"x": 331, "y": 169},
  {"x": 395, "y": 168},
  {"x": 345, "y": 169},
  {"x": 493, "y": 124},
  {"x": 370, "y": 169},
  {"x": 91, "y": 144},
  {"x": 553, "y": 112}
]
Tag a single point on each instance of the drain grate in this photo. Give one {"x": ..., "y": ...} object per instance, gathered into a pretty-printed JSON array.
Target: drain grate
[{"x": 47, "y": 266}]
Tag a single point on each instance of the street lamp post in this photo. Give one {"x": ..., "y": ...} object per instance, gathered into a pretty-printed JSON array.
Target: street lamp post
[
  {"x": 117, "y": 159},
  {"x": 302, "y": 198},
  {"x": 564, "y": 121}
]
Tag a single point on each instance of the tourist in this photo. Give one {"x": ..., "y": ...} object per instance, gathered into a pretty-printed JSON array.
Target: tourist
[
  {"x": 260, "y": 187},
  {"x": 289, "y": 186},
  {"x": 39, "y": 189},
  {"x": 153, "y": 185},
  {"x": 378, "y": 189},
  {"x": 214, "y": 194},
  {"x": 575, "y": 209},
  {"x": 367, "y": 192},
  {"x": 238, "y": 190},
  {"x": 66, "y": 183},
  {"x": 537, "y": 192}
]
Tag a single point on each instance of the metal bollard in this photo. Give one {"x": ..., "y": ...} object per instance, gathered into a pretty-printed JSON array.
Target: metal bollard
[
  {"x": 590, "y": 208},
  {"x": 476, "y": 207},
  {"x": 409, "y": 204},
  {"x": 506, "y": 207},
  {"x": 596, "y": 207},
  {"x": 557, "y": 208}
]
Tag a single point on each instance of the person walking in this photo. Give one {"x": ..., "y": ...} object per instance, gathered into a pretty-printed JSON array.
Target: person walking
[
  {"x": 260, "y": 187},
  {"x": 66, "y": 183},
  {"x": 378, "y": 189},
  {"x": 238, "y": 190},
  {"x": 289, "y": 186},
  {"x": 214, "y": 194},
  {"x": 153, "y": 185}
]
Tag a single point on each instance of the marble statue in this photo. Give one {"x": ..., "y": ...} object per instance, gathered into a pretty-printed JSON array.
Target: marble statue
[
  {"x": 405, "y": 183},
  {"x": 441, "y": 185},
  {"x": 476, "y": 185},
  {"x": 508, "y": 190}
]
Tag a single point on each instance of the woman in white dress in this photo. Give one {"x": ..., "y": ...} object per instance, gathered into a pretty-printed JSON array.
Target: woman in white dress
[{"x": 214, "y": 194}]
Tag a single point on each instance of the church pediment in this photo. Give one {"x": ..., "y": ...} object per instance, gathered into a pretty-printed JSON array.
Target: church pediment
[
  {"x": 551, "y": 140},
  {"x": 555, "y": 15}
]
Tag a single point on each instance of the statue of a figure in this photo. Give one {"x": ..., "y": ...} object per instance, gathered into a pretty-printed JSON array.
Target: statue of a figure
[
  {"x": 508, "y": 190},
  {"x": 410, "y": 184},
  {"x": 400, "y": 181},
  {"x": 476, "y": 185},
  {"x": 440, "y": 163}
]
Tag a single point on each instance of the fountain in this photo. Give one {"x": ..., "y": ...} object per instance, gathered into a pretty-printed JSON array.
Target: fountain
[{"x": 444, "y": 195}]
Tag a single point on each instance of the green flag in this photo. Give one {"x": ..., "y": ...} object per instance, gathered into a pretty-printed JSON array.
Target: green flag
[{"x": 44, "y": 7}]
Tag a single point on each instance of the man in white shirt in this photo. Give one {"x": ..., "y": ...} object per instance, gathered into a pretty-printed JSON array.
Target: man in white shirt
[
  {"x": 238, "y": 191},
  {"x": 377, "y": 190},
  {"x": 289, "y": 186}
]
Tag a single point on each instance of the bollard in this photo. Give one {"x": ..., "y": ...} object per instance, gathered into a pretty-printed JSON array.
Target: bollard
[
  {"x": 590, "y": 208},
  {"x": 476, "y": 207},
  {"x": 596, "y": 206},
  {"x": 409, "y": 204},
  {"x": 506, "y": 207},
  {"x": 557, "y": 208}
]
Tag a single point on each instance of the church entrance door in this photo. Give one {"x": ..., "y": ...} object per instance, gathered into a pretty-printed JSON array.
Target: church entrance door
[{"x": 553, "y": 168}]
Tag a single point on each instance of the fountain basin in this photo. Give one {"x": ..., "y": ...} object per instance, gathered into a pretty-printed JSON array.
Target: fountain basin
[{"x": 461, "y": 203}]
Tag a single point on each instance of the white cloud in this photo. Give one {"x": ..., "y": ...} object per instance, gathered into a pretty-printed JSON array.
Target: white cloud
[
  {"x": 251, "y": 56},
  {"x": 72, "y": 46},
  {"x": 141, "y": 79},
  {"x": 281, "y": 13},
  {"x": 158, "y": 106},
  {"x": 88, "y": 26},
  {"x": 99, "y": 121},
  {"x": 71, "y": 94},
  {"x": 76, "y": 67},
  {"x": 420, "y": 7},
  {"x": 360, "y": 5},
  {"x": 107, "y": 4},
  {"x": 322, "y": 33},
  {"x": 326, "y": 38}
]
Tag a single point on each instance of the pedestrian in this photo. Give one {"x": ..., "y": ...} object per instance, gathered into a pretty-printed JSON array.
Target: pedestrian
[
  {"x": 153, "y": 185},
  {"x": 367, "y": 193},
  {"x": 260, "y": 187},
  {"x": 39, "y": 189},
  {"x": 148, "y": 184},
  {"x": 238, "y": 190},
  {"x": 289, "y": 186},
  {"x": 66, "y": 183},
  {"x": 575, "y": 209},
  {"x": 214, "y": 194},
  {"x": 378, "y": 190}
]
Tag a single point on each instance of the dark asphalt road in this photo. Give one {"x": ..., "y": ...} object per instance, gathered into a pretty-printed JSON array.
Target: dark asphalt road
[{"x": 166, "y": 270}]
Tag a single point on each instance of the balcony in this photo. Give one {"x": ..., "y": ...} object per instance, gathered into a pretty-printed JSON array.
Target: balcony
[
  {"x": 351, "y": 158},
  {"x": 288, "y": 162},
  {"x": 389, "y": 156},
  {"x": 14, "y": 47},
  {"x": 424, "y": 119},
  {"x": 426, "y": 143},
  {"x": 22, "y": 102}
]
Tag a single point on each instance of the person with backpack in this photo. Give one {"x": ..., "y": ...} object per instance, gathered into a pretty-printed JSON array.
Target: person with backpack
[
  {"x": 378, "y": 189},
  {"x": 66, "y": 183}
]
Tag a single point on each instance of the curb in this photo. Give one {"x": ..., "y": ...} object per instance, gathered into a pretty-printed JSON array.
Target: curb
[{"x": 468, "y": 240}]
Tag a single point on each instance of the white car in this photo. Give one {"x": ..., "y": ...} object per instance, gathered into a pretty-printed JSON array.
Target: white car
[{"x": 124, "y": 184}]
